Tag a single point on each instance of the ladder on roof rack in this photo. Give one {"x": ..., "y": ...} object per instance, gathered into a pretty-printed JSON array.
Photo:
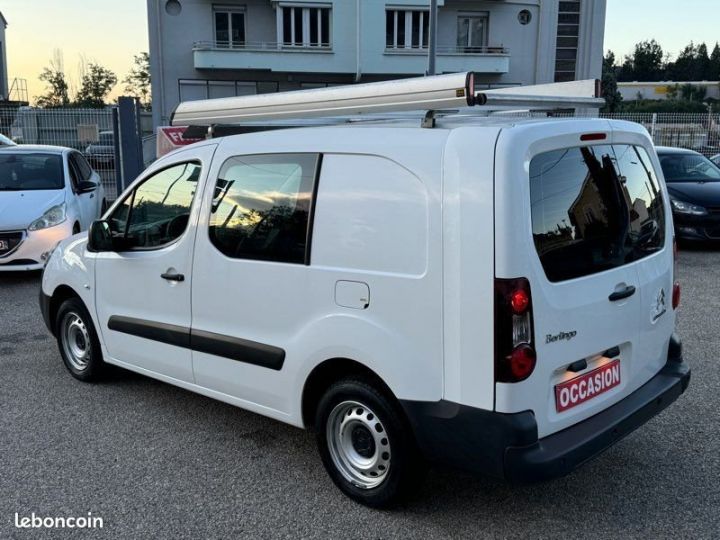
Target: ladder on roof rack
[{"x": 454, "y": 91}]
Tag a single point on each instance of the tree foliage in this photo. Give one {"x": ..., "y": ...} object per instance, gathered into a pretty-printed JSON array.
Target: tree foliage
[
  {"x": 137, "y": 82},
  {"x": 609, "y": 84},
  {"x": 649, "y": 63},
  {"x": 645, "y": 64},
  {"x": 96, "y": 83},
  {"x": 57, "y": 92}
]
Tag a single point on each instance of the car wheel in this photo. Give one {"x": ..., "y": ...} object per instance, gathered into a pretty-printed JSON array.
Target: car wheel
[
  {"x": 366, "y": 445},
  {"x": 78, "y": 341},
  {"x": 76, "y": 228}
]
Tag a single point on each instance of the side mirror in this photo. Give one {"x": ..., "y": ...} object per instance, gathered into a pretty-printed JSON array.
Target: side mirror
[
  {"x": 100, "y": 237},
  {"x": 87, "y": 187}
]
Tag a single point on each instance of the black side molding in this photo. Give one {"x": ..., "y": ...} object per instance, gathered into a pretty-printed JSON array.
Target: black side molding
[
  {"x": 241, "y": 350},
  {"x": 155, "y": 331}
]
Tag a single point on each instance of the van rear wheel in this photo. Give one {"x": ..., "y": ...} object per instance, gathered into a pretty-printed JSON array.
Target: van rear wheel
[{"x": 366, "y": 445}]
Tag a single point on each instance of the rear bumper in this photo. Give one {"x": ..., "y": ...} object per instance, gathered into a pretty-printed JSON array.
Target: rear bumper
[{"x": 506, "y": 446}]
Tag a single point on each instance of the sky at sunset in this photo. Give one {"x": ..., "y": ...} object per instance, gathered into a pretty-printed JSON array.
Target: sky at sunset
[{"x": 112, "y": 31}]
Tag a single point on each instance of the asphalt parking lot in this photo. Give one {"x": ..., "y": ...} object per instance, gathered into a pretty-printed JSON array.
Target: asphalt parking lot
[{"x": 159, "y": 462}]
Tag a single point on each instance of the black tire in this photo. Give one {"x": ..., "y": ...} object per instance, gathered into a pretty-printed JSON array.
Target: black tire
[
  {"x": 91, "y": 367},
  {"x": 76, "y": 228},
  {"x": 405, "y": 469}
]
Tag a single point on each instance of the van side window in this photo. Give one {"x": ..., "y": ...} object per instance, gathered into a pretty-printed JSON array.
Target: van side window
[
  {"x": 594, "y": 208},
  {"x": 157, "y": 212},
  {"x": 261, "y": 207}
]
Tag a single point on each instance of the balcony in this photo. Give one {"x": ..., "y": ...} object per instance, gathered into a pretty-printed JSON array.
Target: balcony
[
  {"x": 268, "y": 56},
  {"x": 490, "y": 60},
  {"x": 283, "y": 57}
]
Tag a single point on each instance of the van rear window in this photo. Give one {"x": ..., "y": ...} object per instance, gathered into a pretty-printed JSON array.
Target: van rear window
[{"x": 594, "y": 208}]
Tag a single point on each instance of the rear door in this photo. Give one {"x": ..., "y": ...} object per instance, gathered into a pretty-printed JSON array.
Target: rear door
[
  {"x": 650, "y": 236},
  {"x": 573, "y": 242}
]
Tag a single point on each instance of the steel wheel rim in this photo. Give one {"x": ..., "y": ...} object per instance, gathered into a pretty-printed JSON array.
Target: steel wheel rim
[
  {"x": 359, "y": 445},
  {"x": 76, "y": 341}
]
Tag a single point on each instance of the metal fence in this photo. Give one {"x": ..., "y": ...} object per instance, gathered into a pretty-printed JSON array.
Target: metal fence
[
  {"x": 89, "y": 131},
  {"x": 700, "y": 132}
]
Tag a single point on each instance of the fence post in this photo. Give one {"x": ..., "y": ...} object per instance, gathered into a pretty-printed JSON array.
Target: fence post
[
  {"x": 652, "y": 126},
  {"x": 131, "y": 156},
  {"x": 116, "y": 151}
]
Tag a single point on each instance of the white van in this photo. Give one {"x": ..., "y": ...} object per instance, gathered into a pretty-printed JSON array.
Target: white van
[{"x": 491, "y": 294}]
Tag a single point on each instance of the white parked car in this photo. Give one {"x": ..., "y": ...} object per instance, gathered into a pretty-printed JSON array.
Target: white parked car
[
  {"x": 494, "y": 294},
  {"x": 47, "y": 194},
  {"x": 6, "y": 141}
]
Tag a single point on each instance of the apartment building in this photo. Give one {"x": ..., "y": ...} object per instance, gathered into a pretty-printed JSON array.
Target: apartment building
[{"x": 218, "y": 48}]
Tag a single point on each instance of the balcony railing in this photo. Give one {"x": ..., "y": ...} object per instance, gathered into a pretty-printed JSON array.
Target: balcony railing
[
  {"x": 450, "y": 50},
  {"x": 259, "y": 46}
]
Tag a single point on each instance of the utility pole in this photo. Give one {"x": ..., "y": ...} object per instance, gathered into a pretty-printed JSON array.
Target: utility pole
[{"x": 432, "y": 41}]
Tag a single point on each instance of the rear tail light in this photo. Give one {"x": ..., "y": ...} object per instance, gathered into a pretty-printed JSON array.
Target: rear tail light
[
  {"x": 676, "y": 295},
  {"x": 676, "y": 283},
  {"x": 514, "y": 354}
]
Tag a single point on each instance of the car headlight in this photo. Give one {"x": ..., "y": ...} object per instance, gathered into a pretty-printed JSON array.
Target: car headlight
[
  {"x": 682, "y": 207},
  {"x": 54, "y": 216}
]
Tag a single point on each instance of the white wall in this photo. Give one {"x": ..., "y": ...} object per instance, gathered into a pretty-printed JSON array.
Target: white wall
[{"x": 659, "y": 90}]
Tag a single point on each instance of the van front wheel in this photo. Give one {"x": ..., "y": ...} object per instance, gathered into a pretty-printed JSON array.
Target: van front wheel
[
  {"x": 78, "y": 341},
  {"x": 365, "y": 444}
]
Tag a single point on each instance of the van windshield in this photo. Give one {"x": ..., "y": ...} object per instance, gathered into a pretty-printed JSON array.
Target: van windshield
[{"x": 594, "y": 208}]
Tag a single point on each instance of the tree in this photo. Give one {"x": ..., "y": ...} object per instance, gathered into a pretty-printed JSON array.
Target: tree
[
  {"x": 685, "y": 67},
  {"x": 95, "y": 85},
  {"x": 714, "y": 69},
  {"x": 137, "y": 82},
  {"x": 609, "y": 83},
  {"x": 645, "y": 64},
  {"x": 702, "y": 63},
  {"x": 56, "y": 94}
]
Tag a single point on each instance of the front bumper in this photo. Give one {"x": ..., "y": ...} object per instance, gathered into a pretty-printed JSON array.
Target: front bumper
[
  {"x": 506, "y": 446},
  {"x": 28, "y": 255},
  {"x": 697, "y": 227}
]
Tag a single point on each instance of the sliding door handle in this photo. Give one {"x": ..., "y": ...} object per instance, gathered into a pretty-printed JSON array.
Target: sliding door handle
[
  {"x": 173, "y": 277},
  {"x": 627, "y": 292}
]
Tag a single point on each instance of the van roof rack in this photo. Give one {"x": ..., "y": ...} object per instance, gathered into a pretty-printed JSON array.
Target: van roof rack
[{"x": 429, "y": 94}]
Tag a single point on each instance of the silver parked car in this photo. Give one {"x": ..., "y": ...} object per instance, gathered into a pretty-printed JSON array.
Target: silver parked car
[{"x": 102, "y": 153}]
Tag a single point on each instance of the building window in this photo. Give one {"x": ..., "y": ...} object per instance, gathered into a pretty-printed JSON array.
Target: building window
[
  {"x": 303, "y": 26},
  {"x": 406, "y": 28},
  {"x": 229, "y": 27},
  {"x": 566, "y": 46},
  {"x": 473, "y": 32}
]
